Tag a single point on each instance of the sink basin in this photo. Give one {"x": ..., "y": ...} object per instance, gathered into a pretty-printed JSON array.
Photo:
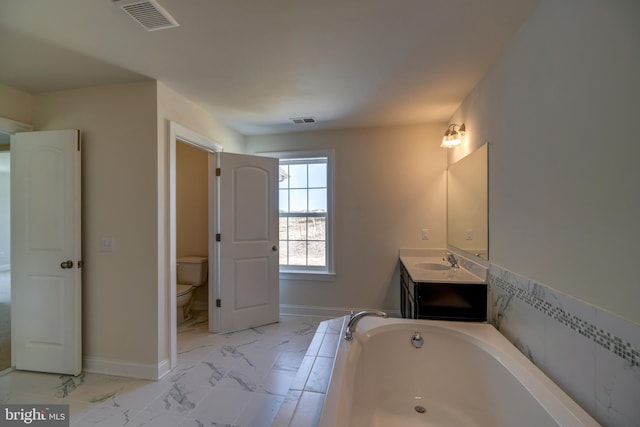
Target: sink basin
[{"x": 432, "y": 266}]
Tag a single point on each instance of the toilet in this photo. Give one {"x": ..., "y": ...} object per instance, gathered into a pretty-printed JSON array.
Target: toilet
[{"x": 192, "y": 272}]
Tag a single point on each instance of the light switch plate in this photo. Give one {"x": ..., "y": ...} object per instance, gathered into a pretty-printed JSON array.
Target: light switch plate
[{"x": 106, "y": 244}]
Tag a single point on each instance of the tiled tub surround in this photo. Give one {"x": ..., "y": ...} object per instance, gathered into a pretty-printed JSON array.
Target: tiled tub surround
[
  {"x": 238, "y": 379},
  {"x": 593, "y": 355},
  {"x": 303, "y": 404}
]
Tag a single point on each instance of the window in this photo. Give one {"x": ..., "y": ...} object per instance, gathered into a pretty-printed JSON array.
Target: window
[{"x": 306, "y": 216}]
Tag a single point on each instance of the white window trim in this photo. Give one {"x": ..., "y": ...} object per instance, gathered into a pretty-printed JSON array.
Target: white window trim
[{"x": 302, "y": 273}]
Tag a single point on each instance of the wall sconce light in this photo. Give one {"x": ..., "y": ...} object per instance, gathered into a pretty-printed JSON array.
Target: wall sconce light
[{"x": 453, "y": 135}]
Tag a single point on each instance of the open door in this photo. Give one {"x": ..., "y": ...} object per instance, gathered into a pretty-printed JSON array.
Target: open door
[
  {"x": 46, "y": 251},
  {"x": 247, "y": 270}
]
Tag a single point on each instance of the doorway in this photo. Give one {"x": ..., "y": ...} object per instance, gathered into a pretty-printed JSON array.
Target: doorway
[
  {"x": 242, "y": 223},
  {"x": 192, "y": 239},
  {"x": 7, "y": 128},
  {"x": 179, "y": 134},
  {"x": 5, "y": 250}
]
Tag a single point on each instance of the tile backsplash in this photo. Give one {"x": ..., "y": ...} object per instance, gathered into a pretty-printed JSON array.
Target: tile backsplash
[{"x": 593, "y": 355}]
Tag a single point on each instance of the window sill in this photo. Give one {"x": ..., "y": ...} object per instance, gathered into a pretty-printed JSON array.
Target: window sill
[{"x": 321, "y": 276}]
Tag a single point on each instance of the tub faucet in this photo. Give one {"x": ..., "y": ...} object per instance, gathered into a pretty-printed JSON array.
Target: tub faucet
[
  {"x": 451, "y": 258},
  {"x": 355, "y": 318}
]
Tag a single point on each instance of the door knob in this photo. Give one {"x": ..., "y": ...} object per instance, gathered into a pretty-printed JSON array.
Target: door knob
[
  {"x": 274, "y": 248},
  {"x": 66, "y": 264}
]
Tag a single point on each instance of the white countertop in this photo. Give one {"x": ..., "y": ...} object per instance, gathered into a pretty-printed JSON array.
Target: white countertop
[{"x": 450, "y": 275}]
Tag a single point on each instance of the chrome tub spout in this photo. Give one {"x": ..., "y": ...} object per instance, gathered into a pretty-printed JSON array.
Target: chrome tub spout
[{"x": 355, "y": 318}]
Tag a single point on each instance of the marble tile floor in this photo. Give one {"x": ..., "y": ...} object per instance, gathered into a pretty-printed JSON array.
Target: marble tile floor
[{"x": 237, "y": 379}]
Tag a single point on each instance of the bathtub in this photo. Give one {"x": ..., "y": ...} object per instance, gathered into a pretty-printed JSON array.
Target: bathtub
[{"x": 465, "y": 374}]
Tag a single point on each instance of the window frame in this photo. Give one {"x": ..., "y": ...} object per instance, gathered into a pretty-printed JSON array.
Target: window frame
[{"x": 313, "y": 272}]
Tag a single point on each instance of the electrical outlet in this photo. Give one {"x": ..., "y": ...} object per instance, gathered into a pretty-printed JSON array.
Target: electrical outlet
[
  {"x": 469, "y": 234},
  {"x": 425, "y": 234}
]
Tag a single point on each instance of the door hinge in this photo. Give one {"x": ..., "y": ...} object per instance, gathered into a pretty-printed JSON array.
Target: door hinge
[
  {"x": 218, "y": 303},
  {"x": 218, "y": 171},
  {"x": 218, "y": 237}
]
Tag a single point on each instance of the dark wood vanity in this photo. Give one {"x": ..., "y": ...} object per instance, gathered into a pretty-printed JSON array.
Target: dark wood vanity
[{"x": 462, "y": 301}]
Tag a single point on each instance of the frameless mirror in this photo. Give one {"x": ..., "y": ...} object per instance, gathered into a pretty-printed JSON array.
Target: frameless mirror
[{"x": 467, "y": 204}]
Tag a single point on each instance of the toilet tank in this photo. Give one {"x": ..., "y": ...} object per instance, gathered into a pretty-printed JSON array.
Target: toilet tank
[{"x": 192, "y": 270}]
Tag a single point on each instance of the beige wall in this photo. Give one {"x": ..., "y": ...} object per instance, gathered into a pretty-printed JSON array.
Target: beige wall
[
  {"x": 191, "y": 201},
  {"x": 125, "y": 196},
  {"x": 119, "y": 178},
  {"x": 560, "y": 109},
  {"x": 16, "y": 104},
  {"x": 175, "y": 107},
  {"x": 389, "y": 184}
]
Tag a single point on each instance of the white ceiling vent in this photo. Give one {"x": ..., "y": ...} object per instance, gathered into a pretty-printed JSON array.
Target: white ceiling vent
[
  {"x": 147, "y": 13},
  {"x": 303, "y": 120}
]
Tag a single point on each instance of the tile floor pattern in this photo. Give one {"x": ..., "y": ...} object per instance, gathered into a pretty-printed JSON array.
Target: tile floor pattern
[{"x": 237, "y": 379}]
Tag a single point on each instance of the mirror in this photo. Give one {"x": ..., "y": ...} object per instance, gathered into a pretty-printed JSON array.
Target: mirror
[{"x": 467, "y": 204}]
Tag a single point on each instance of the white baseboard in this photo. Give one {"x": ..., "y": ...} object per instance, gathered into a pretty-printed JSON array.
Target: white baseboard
[
  {"x": 126, "y": 369},
  {"x": 309, "y": 310}
]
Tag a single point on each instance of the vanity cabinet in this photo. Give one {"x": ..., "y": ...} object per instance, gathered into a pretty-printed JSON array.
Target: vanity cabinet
[{"x": 442, "y": 300}]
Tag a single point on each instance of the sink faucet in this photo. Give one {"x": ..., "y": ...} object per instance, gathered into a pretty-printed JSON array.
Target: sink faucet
[
  {"x": 355, "y": 318},
  {"x": 451, "y": 258}
]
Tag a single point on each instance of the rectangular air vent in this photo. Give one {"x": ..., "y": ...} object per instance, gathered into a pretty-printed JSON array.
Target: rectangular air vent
[
  {"x": 147, "y": 13},
  {"x": 303, "y": 120}
]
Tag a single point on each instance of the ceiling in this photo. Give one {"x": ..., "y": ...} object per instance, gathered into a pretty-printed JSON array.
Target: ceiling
[{"x": 256, "y": 64}]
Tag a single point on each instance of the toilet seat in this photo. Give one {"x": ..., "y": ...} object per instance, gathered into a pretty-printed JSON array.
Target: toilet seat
[{"x": 182, "y": 289}]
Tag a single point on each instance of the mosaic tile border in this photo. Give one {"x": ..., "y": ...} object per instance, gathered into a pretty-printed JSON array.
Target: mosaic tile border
[{"x": 604, "y": 339}]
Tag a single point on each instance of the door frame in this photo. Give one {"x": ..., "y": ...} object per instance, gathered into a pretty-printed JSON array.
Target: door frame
[
  {"x": 179, "y": 133},
  {"x": 11, "y": 126}
]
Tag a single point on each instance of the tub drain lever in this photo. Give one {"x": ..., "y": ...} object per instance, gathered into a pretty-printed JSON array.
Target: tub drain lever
[{"x": 416, "y": 340}]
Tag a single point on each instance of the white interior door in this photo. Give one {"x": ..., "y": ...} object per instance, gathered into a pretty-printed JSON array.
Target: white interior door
[
  {"x": 248, "y": 262},
  {"x": 46, "y": 251}
]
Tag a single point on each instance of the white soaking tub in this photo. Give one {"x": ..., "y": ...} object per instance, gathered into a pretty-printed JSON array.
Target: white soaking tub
[{"x": 465, "y": 374}]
